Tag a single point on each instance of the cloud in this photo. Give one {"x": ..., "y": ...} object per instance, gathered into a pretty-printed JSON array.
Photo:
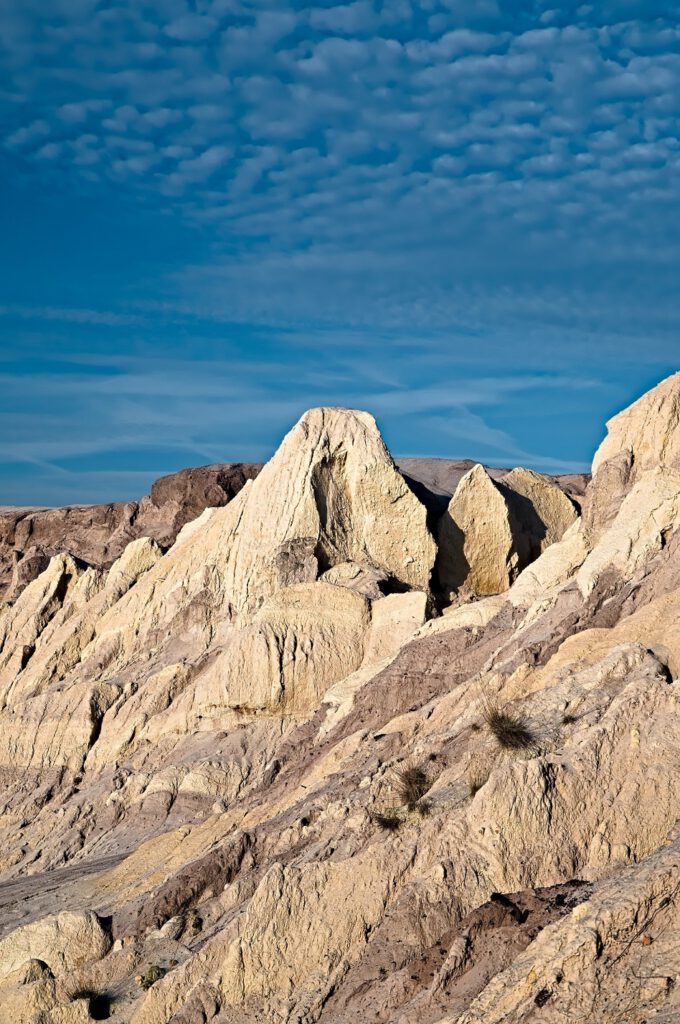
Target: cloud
[
  {"x": 183, "y": 410},
  {"x": 82, "y": 316},
  {"x": 348, "y": 19},
  {"x": 191, "y": 28},
  {"x": 501, "y": 177},
  {"x": 30, "y": 134}
]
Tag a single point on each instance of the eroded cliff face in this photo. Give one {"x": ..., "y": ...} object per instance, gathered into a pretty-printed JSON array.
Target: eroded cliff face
[
  {"x": 98, "y": 534},
  {"x": 260, "y": 778}
]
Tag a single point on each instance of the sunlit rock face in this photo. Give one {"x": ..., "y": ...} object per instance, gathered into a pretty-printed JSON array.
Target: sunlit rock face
[
  {"x": 492, "y": 529},
  {"x": 330, "y": 758}
]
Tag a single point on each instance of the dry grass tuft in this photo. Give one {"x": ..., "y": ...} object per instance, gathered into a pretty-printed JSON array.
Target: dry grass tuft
[
  {"x": 424, "y": 808},
  {"x": 511, "y": 731},
  {"x": 412, "y": 785},
  {"x": 153, "y": 974}
]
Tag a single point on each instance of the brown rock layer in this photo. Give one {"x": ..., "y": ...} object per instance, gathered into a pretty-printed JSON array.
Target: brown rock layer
[{"x": 97, "y": 534}]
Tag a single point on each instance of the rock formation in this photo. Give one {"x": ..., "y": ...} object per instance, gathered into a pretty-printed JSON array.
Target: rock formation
[
  {"x": 98, "y": 534},
  {"x": 492, "y": 529},
  {"x": 259, "y": 778}
]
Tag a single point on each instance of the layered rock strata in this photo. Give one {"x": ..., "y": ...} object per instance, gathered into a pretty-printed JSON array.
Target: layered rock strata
[{"x": 266, "y": 786}]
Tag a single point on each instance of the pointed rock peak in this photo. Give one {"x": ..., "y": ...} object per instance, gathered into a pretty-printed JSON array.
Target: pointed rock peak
[
  {"x": 643, "y": 437},
  {"x": 478, "y": 475},
  {"x": 476, "y": 547},
  {"x": 336, "y": 428},
  {"x": 520, "y": 478},
  {"x": 333, "y": 485}
]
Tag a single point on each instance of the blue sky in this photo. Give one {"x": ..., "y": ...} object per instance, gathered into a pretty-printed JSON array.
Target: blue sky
[{"x": 463, "y": 215}]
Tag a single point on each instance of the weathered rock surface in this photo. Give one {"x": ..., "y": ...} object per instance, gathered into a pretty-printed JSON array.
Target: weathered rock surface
[
  {"x": 541, "y": 512},
  {"x": 492, "y": 529},
  {"x": 97, "y": 534},
  {"x": 209, "y": 747},
  {"x": 435, "y": 480},
  {"x": 63, "y": 942},
  {"x": 477, "y": 550},
  {"x": 639, "y": 439}
]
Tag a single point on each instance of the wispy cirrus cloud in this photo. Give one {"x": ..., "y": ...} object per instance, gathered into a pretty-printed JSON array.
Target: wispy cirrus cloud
[
  {"x": 132, "y": 404},
  {"x": 66, "y": 315}
]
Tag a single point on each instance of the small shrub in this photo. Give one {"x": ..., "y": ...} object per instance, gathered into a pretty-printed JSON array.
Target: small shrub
[
  {"x": 568, "y": 719},
  {"x": 424, "y": 808},
  {"x": 153, "y": 974},
  {"x": 512, "y": 732},
  {"x": 386, "y": 820},
  {"x": 412, "y": 785}
]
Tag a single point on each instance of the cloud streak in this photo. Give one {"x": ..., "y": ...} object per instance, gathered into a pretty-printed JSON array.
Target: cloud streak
[{"x": 377, "y": 200}]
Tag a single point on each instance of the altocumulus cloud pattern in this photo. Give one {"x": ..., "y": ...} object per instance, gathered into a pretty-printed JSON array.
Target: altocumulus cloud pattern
[{"x": 491, "y": 175}]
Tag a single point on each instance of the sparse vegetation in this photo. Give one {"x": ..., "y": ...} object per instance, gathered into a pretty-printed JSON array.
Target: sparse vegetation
[
  {"x": 153, "y": 974},
  {"x": 424, "y": 807},
  {"x": 568, "y": 719},
  {"x": 511, "y": 731},
  {"x": 412, "y": 785}
]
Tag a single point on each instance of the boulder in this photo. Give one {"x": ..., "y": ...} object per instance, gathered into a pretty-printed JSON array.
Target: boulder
[
  {"x": 492, "y": 529},
  {"x": 541, "y": 512},
  {"x": 62, "y": 941},
  {"x": 477, "y": 548}
]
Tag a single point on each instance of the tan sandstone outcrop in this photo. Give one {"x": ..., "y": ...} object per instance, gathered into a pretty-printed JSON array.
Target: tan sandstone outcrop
[
  {"x": 639, "y": 439},
  {"x": 612, "y": 958},
  {"x": 98, "y": 534},
  {"x": 303, "y": 639},
  {"x": 492, "y": 529},
  {"x": 265, "y": 684},
  {"x": 63, "y": 941},
  {"x": 476, "y": 544},
  {"x": 330, "y": 495},
  {"x": 542, "y": 513}
]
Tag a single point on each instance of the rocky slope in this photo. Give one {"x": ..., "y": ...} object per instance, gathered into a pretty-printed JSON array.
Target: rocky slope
[
  {"x": 98, "y": 534},
  {"x": 336, "y": 757}
]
